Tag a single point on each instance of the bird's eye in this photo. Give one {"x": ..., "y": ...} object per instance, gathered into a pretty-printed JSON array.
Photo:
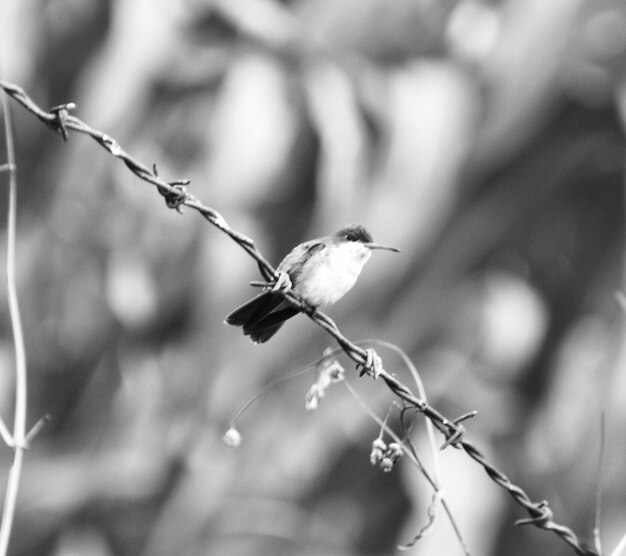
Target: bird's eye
[{"x": 351, "y": 236}]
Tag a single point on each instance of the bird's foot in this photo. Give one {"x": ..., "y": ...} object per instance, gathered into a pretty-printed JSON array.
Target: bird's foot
[{"x": 283, "y": 283}]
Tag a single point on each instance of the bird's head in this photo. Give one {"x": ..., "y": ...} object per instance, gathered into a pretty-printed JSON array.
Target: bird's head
[{"x": 358, "y": 234}]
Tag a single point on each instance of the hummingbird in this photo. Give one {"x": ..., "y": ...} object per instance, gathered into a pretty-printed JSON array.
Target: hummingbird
[{"x": 321, "y": 271}]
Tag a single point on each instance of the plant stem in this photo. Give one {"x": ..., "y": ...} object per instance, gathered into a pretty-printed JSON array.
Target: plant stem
[{"x": 19, "y": 425}]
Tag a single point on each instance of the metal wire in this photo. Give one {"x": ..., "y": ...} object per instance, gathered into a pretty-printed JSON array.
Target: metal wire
[{"x": 176, "y": 195}]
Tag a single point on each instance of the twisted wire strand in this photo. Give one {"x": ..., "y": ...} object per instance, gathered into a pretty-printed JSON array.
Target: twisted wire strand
[{"x": 176, "y": 195}]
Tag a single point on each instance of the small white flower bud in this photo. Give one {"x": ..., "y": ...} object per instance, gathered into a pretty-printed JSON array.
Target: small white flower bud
[
  {"x": 386, "y": 464},
  {"x": 232, "y": 437}
]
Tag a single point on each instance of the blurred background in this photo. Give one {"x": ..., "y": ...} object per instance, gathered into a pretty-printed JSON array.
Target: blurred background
[{"x": 483, "y": 138}]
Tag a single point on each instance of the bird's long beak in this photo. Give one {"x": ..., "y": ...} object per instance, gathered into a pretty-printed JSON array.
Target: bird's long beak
[{"x": 378, "y": 246}]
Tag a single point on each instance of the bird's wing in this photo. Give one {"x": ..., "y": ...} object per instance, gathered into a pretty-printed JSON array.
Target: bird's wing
[
  {"x": 292, "y": 264},
  {"x": 263, "y": 315}
]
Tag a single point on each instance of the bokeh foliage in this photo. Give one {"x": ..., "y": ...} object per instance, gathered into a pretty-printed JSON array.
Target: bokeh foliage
[{"x": 484, "y": 138}]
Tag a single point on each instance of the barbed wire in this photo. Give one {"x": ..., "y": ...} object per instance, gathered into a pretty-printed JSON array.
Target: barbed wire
[{"x": 176, "y": 195}]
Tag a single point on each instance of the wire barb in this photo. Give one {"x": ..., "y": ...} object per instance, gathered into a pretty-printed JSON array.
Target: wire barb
[
  {"x": 372, "y": 366},
  {"x": 176, "y": 194},
  {"x": 542, "y": 516},
  {"x": 60, "y": 114},
  {"x": 455, "y": 438}
]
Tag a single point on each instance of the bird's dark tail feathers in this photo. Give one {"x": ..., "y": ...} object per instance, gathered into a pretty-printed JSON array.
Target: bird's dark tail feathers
[{"x": 262, "y": 316}]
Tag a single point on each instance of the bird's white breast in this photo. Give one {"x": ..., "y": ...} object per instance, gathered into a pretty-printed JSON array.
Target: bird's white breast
[{"x": 331, "y": 273}]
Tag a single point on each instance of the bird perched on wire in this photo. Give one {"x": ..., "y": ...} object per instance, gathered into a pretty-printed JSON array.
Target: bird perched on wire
[{"x": 320, "y": 271}]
